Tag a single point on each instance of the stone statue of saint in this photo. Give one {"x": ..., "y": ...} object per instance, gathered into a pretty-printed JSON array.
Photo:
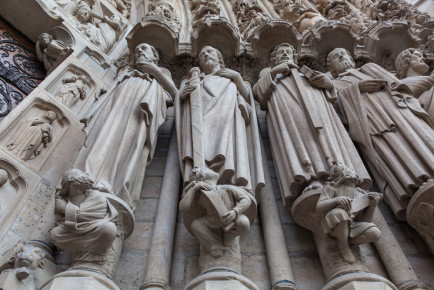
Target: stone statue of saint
[
  {"x": 104, "y": 33},
  {"x": 49, "y": 50},
  {"x": 394, "y": 133},
  {"x": 26, "y": 259},
  {"x": 306, "y": 135},
  {"x": 87, "y": 220},
  {"x": 73, "y": 89},
  {"x": 411, "y": 67},
  {"x": 128, "y": 118},
  {"x": 229, "y": 132},
  {"x": 216, "y": 215},
  {"x": 348, "y": 210},
  {"x": 7, "y": 191},
  {"x": 32, "y": 136}
]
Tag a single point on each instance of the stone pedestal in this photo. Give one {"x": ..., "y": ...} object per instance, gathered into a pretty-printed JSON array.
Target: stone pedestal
[
  {"x": 220, "y": 279},
  {"x": 420, "y": 213},
  {"x": 78, "y": 279},
  {"x": 359, "y": 281}
]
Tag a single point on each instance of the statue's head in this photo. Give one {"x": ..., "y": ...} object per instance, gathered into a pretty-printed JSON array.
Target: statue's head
[
  {"x": 28, "y": 256},
  {"x": 210, "y": 58},
  {"x": 50, "y": 116},
  {"x": 339, "y": 60},
  {"x": 3, "y": 176},
  {"x": 413, "y": 59},
  {"x": 146, "y": 53},
  {"x": 75, "y": 181},
  {"x": 206, "y": 175},
  {"x": 339, "y": 173},
  {"x": 283, "y": 53},
  {"x": 45, "y": 39},
  {"x": 82, "y": 12}
]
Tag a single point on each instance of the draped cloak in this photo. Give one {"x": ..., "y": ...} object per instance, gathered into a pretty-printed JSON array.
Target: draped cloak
[
  {"x": 124, "y": 125},
  {"x": 395, "y": 134},
  {"x": 423, "y": 89},
  {"x": 302, "y": 151},
  {"x": 231, "y": 143}
]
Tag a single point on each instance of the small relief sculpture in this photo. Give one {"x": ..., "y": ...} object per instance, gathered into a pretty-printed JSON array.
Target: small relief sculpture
[
  {"x": 73, "y": 89},
  {"x": 125, "y": 124},
  {"x": 101, "y": 30},
  {"x": 123, "y": 6},
  {"x": 32, "y": 136},
  {"x": 348, "y": 210},
  {"x": 411, "y": 67},
  {"x": 7, "y": 191},
  {"x": 305, "y": 131},
  {"x": 249, "y": 18},
  {"x": 86, "y": 219},
  {"x": 165, "y": 11},
  {"x": 395, "y": 134},
  {"x": 217, "y": 214},
  {"x": 306, "y": 19},
  {"x": 50, "y": 50},
  {"x": 26, "y": 259},
  {"x": 203, "y": 10}
]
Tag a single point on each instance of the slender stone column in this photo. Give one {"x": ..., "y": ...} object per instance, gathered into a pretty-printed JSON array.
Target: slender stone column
[
  {"x": 165, "y": 222},
  {"x": 275, "y": 246},
  {"x": 399, "y": 269}
]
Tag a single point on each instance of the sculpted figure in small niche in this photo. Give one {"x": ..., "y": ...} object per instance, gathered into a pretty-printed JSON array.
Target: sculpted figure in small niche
[
  {"x": 395, "y": 134},
  {"x": 249, "y": 17},
  {"x": 32, "y": 136},
  {"x": 26, "y": 259},
  {"x": 86, "y": 220},
  {"x": 166, "y": 11},
  {"x": 411, "y": 67},
  {"x": 7, "y": 191},
  {"x": 127, "y": 120},
  {"x": 306, "y": 135},
  {"x": 49, "y": 50},
  {"x": 348, "y": 210},
  {"x": 217, "y": 214},
  {"x": 73, "y": 89},
  {"x": 123, "y": 6},
  {"x": 103, "y": 33}
]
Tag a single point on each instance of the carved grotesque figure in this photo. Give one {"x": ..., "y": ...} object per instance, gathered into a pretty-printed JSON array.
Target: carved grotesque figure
[
  {"x": 26, "y": 259},
  {"x": 306, "y": 134},
  {"x": 348, "y": 211},
  {"x": 87, "y": 220},
  {"x": 217, "y": 214},
  {"x": 395, "y": 134},
  {"x": 32, "y": 136},
  {"x": 167, "y": 12},
  {"x": 49, "y": 50},
  {"x": 127, "y": 120},
  {"x": 103, "y": 33},
  {"x": 72, "y": 90}
]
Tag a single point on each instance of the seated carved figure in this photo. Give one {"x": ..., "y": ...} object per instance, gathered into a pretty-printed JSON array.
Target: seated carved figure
[
  {"x": 26, "y": 259},
  {"x": 216, "y": 214},
  {"x": 348, "y": 210},
  {"x": 49, "y": 50},
  {"x": 72, "y": 90},
  {"x": 87, "y": 220}
]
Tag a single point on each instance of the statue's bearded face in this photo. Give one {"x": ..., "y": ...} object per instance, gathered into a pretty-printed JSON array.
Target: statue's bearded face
[
  {"x": 144, "y": 53},
  {"x": 339, "y": 61},
  {"x": 417, "y": 62},
  {"x": 208, "y": 58},
  {"x": 284, "y": 54}
]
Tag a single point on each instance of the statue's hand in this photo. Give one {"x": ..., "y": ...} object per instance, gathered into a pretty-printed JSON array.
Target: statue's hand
[
  {"x": 321, "y": 81},
  {"x": 343, "y": 202},
  {"x": 60, "y": 205},
  {"x": 282, "y": 68},
  {"x": 200, "y": 185},
  {"x": 230, "y": 74},
  {"x": 186, "y": 91},
  {"x": 229, "y": 217},
  {"x": 375, "y": 198},
  {"x": 148, "y": 67},
  {"x": 371, "y": 86}
]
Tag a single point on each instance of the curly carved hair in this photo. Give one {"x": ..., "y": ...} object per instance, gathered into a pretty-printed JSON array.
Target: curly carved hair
[
  {"x": 76, "y": 177},
  {"x": 219, "y": 56},
  {"x": 274, "y": 52},
  {"x": 329, "y": 56},
  {"x": 402, "y": 62}
]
